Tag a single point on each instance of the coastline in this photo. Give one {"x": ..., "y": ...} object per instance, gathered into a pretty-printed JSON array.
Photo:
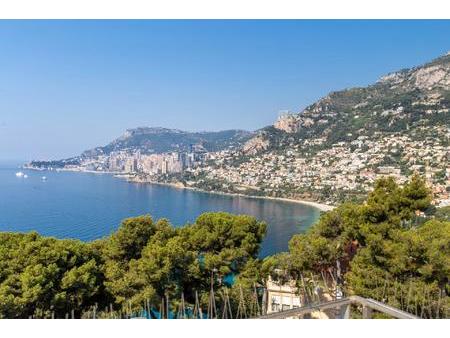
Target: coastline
[
  {"x": 317, "y": 205},
  {"x": 72, "y": 170},
  {"x": 133, "y": 179}
]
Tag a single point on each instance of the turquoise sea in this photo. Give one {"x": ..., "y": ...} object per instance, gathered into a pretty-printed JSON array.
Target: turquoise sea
[{"x": 88, "y": 206}]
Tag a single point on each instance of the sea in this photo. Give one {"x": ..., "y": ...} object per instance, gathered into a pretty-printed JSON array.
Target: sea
[{"x": 88, "y": 206}]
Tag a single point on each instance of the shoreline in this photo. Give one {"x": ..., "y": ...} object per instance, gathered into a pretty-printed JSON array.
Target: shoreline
[
  {"x": 73, "y": 170},
  {"x": 131, "y": 179},
  {"x": 317, "y": 205}
]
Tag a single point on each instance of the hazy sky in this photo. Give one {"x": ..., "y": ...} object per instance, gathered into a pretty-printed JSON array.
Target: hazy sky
[{"x": 66, "y": 86}]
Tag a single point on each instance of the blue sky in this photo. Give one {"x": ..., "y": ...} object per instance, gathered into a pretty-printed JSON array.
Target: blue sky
[{"x": 66, "y": 86}]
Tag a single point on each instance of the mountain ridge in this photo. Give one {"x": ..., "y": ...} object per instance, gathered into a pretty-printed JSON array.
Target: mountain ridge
[
  {"x": 390, "y": 98},
  {"x": 161, "y": 140},
  {"x": 331, "y": 151},
  {"x": 336, "y": 147}
]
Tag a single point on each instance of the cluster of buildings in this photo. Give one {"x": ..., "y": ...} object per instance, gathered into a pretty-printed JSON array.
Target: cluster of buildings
[
  {"x": 133, "y": 162},
  {"x": 334, "y": 173},
  {"x": 307, "y": 169}
]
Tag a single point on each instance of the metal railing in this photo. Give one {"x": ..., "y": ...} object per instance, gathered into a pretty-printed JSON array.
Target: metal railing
[{"x": 344, "y": 308}]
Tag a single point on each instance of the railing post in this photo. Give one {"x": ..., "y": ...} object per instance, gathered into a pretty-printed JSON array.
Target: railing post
[
  {"x": 344, "y": 311},
  {"x": 366, "y": 312}
]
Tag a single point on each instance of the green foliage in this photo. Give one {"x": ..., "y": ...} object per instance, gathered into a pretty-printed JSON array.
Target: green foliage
[
  {"x": 390, "y": 204},
  {"x": 385, "y": 248},
  {"x": 162, "y": 140},
  {"x": 443, "y": 213},
  {"x": 379, "y": 250},
  {"x": 40, "y": 275},
  {"x": 129, "y": 240},
  {"x": 184, "y": 258},
  {"x": 141, "y": 262}
]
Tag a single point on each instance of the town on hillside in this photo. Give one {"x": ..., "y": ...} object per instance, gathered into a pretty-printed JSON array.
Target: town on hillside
[{"x": 331, "y": 151}]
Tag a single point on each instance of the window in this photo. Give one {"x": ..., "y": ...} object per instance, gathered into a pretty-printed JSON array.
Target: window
[
  {"x": 285, "y": 307},
  {"x": 275, "y": 303}
]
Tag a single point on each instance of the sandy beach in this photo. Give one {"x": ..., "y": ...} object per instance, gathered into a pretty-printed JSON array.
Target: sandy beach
[
  {"x": 130, "y": 178},
  {"x": 320, "y": 206}
]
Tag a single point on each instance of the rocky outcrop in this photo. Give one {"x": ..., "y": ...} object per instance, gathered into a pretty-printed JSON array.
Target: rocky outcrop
[
  {"x": 398, "y": 102},
  {"x": 432, "y": 76},
  {"x": 287, "y": 122},
  {"x": 256, "y": 144}
]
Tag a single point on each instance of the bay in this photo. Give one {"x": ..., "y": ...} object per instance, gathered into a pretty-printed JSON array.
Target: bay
[{"x": 88, "y": 206}]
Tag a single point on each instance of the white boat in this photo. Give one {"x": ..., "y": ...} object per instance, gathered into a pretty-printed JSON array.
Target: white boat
[
  {"x": 20, "y": 174},
  {"x": 25, "y": 176},
  {"x": 44, "y": 178}
]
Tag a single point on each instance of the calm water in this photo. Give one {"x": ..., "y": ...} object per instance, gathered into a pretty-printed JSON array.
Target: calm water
[{"x": 89, "y": 206}]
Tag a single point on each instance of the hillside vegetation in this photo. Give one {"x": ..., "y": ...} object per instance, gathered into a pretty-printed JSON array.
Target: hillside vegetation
[
  {"x": 141, "y": 262},
  {"x": 334, "y": 149},
  {"x": 394, "y": 247},
  {"x": 162, "y": 140}
]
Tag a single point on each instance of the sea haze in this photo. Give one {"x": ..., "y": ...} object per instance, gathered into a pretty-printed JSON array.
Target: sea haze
[{"x": 89, "y": 206}]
